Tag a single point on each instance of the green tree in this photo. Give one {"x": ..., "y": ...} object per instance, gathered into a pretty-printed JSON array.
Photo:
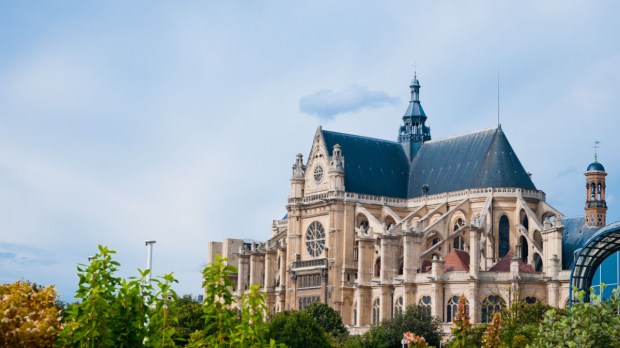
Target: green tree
[
  {"x": 116, "y": 312},
  {"x": 28, "y": 315},
  {"x": 297, "y": 329},
  {"x": 225, "y": 326},
  {"x": 415, "y": 319},
  {"x": 188, "y": 313},
  {"x": 585, "y": 324},
  {"x": 328, "y": 319}
]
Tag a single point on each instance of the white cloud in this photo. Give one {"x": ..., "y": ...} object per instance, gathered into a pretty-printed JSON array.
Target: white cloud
[{"x": 326, "y": 104}]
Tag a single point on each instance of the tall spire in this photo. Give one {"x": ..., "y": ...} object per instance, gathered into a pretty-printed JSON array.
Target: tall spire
[
  {"x": 596, "y": 207},
  {"x": 414, "y": 132}
]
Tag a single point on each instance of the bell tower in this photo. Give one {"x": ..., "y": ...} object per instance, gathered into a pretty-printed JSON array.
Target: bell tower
[
  {"x": 414, "y": 132},
  {"x": 596, "y": 207}
]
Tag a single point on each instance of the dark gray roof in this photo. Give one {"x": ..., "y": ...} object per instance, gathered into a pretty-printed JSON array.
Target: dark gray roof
[
  {"x": 576, "y": 234},
  {"x": 371, "y": 166},
  {"x": 414, "y": 109},
  {"x": 480, "y": 159},
  {"x": 595, "y": 167}
]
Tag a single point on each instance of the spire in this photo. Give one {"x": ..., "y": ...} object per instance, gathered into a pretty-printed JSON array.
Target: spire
[{"x": 414, "y": 132}]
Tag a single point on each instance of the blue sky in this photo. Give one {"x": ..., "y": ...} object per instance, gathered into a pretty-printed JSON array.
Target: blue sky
[{"x": 122, "y": 122}]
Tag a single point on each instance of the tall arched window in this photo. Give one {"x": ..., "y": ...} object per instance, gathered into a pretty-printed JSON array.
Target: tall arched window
[
  {"x": 452, "y": 307},
  {"x": 378, "y": 267},
  {"x": 376, "y": 311},
  {"x": 458, "y": 241},
  {"x": 598, "y": 194},
  {"x": 504, "y": 236},
  {"x": 490, "y": 306},
  {"x": 592, "y": 191},
  {"x": 398, "y": 306},
  {"x": 425, "y": 302},
  {"x": 524, "y": 249}
]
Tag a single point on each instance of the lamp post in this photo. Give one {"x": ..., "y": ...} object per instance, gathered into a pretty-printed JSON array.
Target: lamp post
[
  {"x": 149, "y": 257},
  {"x": 403, "y": 342}
]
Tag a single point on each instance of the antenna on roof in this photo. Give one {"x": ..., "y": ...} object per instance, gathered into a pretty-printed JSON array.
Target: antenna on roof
[
  {"x": 499, "y": 125},
  {"x": 596, "y": 142}
]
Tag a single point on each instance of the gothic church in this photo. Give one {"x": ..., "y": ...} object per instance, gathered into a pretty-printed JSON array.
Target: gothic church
[{"x": 374, "y": 225}]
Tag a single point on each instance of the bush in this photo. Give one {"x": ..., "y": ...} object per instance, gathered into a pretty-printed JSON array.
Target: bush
[
  {"x": 297, "y": 329},
  {"x": 416, "y": 319}
]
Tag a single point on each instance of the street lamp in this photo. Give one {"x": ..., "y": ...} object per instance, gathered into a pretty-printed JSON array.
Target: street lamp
[
  {"x": 403, "y": 342},
  {"x": 149, "y": 257}
]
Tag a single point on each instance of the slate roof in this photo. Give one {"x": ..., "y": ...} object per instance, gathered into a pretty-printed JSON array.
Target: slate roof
[
  {"x": 380, "y": 167},
  {"x": 371, "y": 166},
  {"x": 481, "y": 159},
  {"x": 576, "y": 234}
]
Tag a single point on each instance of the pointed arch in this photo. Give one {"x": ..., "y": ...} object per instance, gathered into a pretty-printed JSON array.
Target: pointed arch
[{"x": 504, "y": 236}]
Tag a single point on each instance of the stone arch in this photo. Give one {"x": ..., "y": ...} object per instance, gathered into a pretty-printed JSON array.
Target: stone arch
[
  {"x": 525, "y": 249},
  {"x": 362, "y": 221},
  {"x": 603, "y": 244},
  {"x": 538, "y": 240},
  {"x": 538, "y": 262},
  {"x": 523, "y": 220},
  {"x": 432, "y": 238}
]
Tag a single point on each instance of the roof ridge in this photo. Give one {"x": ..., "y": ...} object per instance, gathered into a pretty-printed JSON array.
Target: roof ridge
[
  {"x": 463, "y": 134},
  {"x": 360, "y": 136}
]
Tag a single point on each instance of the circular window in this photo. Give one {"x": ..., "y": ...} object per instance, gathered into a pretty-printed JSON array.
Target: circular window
[
  {"x": 315, "y": 239},
  {"x": 318, "y": 173}
]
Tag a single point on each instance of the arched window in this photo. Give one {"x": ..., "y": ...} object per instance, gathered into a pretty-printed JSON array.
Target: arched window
[
  {"x": 364, "y": 225},
  {"x": 458, "y": 241},
  {"x": 376, "y": 311},
  {"x": 504, "y": 236},
  {"x": 425, "y": 302},
  {"x": 401, "y": 265},
  {"x": 538, "y": 264},
  {"x": 377, "y": 272},
  {"x": 592, "y": 191},
  {"x": 524, "y": 249},
  {"x": 355, "y": 314},
  {"x": 599, "y": 192},
  {"x": 452, "y": 307},
  {"x": 356, "y": 250},
  {"x": 398, "y": 306},
  {"x": 524, "y": 221},
  {"x": 490, "y": 306}
]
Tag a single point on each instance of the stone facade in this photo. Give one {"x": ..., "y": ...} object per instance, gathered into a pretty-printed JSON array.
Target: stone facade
[{"x": 369, "y": 256}]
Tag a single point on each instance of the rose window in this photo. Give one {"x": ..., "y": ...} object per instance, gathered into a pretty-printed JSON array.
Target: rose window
[{"x": 315, "y": 239}]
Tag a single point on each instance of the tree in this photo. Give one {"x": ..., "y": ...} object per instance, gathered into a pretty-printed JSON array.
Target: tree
[
  {"x": 491, "y": 338},
  {"x": 225, "y": 326},
  {"x": 416, "y": 319},
  {"x": 188, "y": 313},
  {"x": 328, "y": 319},
  {"x": 28, "y": 315},
  {"x": 462, "y": 328},
  {"x": 297, "y": 329},
  {"x": 116, "y": 312},
  {"x": 585, "y": 324}
]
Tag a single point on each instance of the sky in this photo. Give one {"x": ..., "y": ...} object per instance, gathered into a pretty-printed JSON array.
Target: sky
[{"x": 122, "y": 122}]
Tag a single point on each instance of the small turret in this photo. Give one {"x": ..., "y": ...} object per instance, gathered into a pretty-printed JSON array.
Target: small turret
[
  {"x": 336, "y": 170},
  {"x": 298, "y": 177}
]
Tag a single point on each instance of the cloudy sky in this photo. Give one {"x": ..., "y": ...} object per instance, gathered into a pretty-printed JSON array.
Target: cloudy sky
[{"x": 127, "y": 121}]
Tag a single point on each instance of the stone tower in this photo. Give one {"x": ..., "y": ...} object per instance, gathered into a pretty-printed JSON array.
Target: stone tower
[{"x": 596, "y": 207}]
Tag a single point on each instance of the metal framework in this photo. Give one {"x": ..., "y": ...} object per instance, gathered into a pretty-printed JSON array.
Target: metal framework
[{"x": 587, "y": 259}]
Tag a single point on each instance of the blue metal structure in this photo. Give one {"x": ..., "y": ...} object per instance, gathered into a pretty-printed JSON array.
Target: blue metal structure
[{"x": 587, "y": 260}]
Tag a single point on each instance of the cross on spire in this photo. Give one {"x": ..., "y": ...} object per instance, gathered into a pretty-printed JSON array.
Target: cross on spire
[
  {"x": 415, "y": 69},
  {"x": 596, "y": 143}
]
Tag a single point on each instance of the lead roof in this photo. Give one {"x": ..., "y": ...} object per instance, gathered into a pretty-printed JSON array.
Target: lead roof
[{"x": 380, "y": 167}]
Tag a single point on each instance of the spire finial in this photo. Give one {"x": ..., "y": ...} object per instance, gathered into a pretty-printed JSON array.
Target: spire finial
[
  {"x": 415, "y": 69},
  {"x": 596, "y": 143}
]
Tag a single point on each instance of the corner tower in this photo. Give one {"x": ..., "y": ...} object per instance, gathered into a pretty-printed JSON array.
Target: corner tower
[
  {"x": 596, "y": 207},
  {"x": 414, "y": 132}
]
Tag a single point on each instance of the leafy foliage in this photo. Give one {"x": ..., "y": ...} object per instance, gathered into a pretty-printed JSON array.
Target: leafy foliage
[
  {"x": 115, "y": 312},
  {"x": 224, "y": 325},
  {"x": 462, "y": 324},
  {"x": 491, "y": 337},
  {"x": 586, "y": 324},
  {"x": 416, "y": 319},
  {"x": 328, "y": 319},
  {"x": 28, "y": 315},
  {"x": 189, "y": 319},
  {"x": 297, "y": 329}
]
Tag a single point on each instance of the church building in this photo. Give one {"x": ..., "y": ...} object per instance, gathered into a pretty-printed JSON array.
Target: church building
[{"x": 374, "y": 225}]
